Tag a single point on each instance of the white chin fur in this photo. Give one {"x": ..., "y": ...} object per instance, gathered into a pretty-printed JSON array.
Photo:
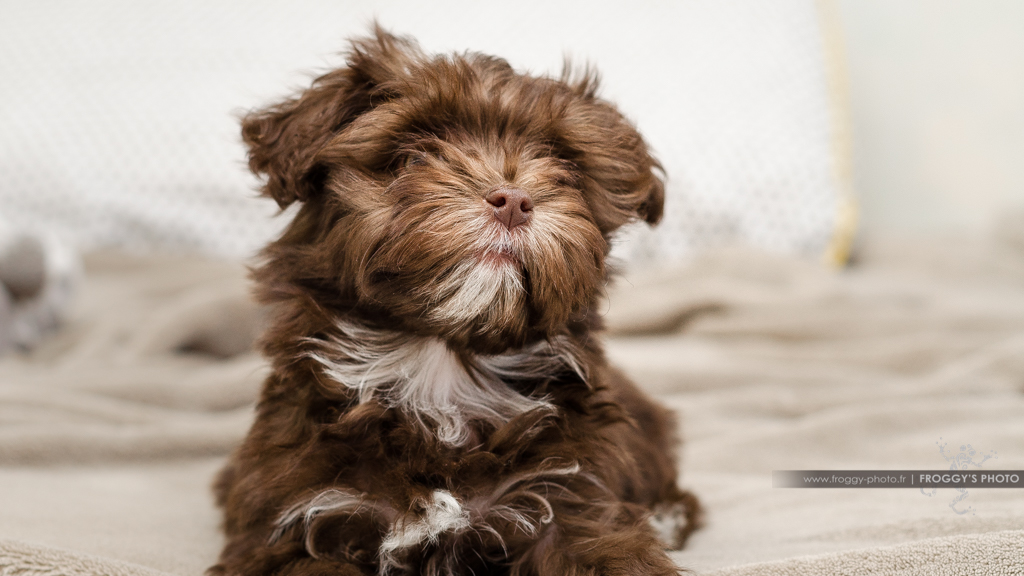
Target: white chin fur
[{"x": 490, "y": 291}]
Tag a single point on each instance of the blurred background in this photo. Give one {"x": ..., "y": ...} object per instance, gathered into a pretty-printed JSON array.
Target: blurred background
[
  {"x": 784, "y": 124},
  {"x": 936, "y": 92}
]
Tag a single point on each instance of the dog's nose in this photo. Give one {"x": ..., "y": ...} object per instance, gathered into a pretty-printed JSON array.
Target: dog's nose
[{"x": 512, "y": 206}]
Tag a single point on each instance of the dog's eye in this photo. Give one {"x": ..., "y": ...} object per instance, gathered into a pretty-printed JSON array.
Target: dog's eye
[
  {"x": 400, "y": 162},
  {"x": 416, "y": 159}
]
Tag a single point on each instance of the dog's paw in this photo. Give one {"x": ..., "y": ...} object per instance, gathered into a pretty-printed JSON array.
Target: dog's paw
[{"x": 673, "y": 521}]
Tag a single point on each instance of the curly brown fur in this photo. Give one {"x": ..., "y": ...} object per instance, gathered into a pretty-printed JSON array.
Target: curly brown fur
[{"x": 439, "y": 403}]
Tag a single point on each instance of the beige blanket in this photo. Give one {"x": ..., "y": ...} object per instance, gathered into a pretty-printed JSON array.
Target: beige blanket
[{"x": 111, "y": 432}]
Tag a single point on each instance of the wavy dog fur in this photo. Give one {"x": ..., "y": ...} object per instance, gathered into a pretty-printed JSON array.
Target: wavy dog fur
[{"x": 439, "y": 403}]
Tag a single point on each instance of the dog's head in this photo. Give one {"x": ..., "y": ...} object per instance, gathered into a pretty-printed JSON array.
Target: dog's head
[{"x": 450, "y": 195}]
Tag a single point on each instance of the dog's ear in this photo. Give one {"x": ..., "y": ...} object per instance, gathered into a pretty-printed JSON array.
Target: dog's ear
[
  {"x": 284, "y": 140},
  {"x": 623, "y": 179}
]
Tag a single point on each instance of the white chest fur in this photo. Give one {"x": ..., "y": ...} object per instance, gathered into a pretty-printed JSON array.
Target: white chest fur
[{"x": 433, "y": 385}]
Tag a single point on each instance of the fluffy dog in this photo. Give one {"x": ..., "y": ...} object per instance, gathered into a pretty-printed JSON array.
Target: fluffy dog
[{"x": 439, "y": 401}]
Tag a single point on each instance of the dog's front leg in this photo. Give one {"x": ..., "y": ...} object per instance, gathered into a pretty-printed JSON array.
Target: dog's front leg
[
  {"x": 296, "y": 567},
  {"x": 250, "y": 554},
  {"x": 616, "y": 542},
  {"x": 319, "y": 567}
]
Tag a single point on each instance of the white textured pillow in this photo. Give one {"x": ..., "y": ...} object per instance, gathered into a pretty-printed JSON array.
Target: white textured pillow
[{"x": 118, "y": 123}]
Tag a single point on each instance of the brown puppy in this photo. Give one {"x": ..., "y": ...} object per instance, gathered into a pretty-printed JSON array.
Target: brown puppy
[{"x": 439, "y": 402}]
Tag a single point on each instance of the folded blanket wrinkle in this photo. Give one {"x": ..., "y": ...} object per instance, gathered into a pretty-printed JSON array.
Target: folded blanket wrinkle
[{"x": 112, "y": 429}]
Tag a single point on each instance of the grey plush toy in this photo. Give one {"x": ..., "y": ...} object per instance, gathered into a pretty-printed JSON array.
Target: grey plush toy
[{"x": 37, "y": 278}]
